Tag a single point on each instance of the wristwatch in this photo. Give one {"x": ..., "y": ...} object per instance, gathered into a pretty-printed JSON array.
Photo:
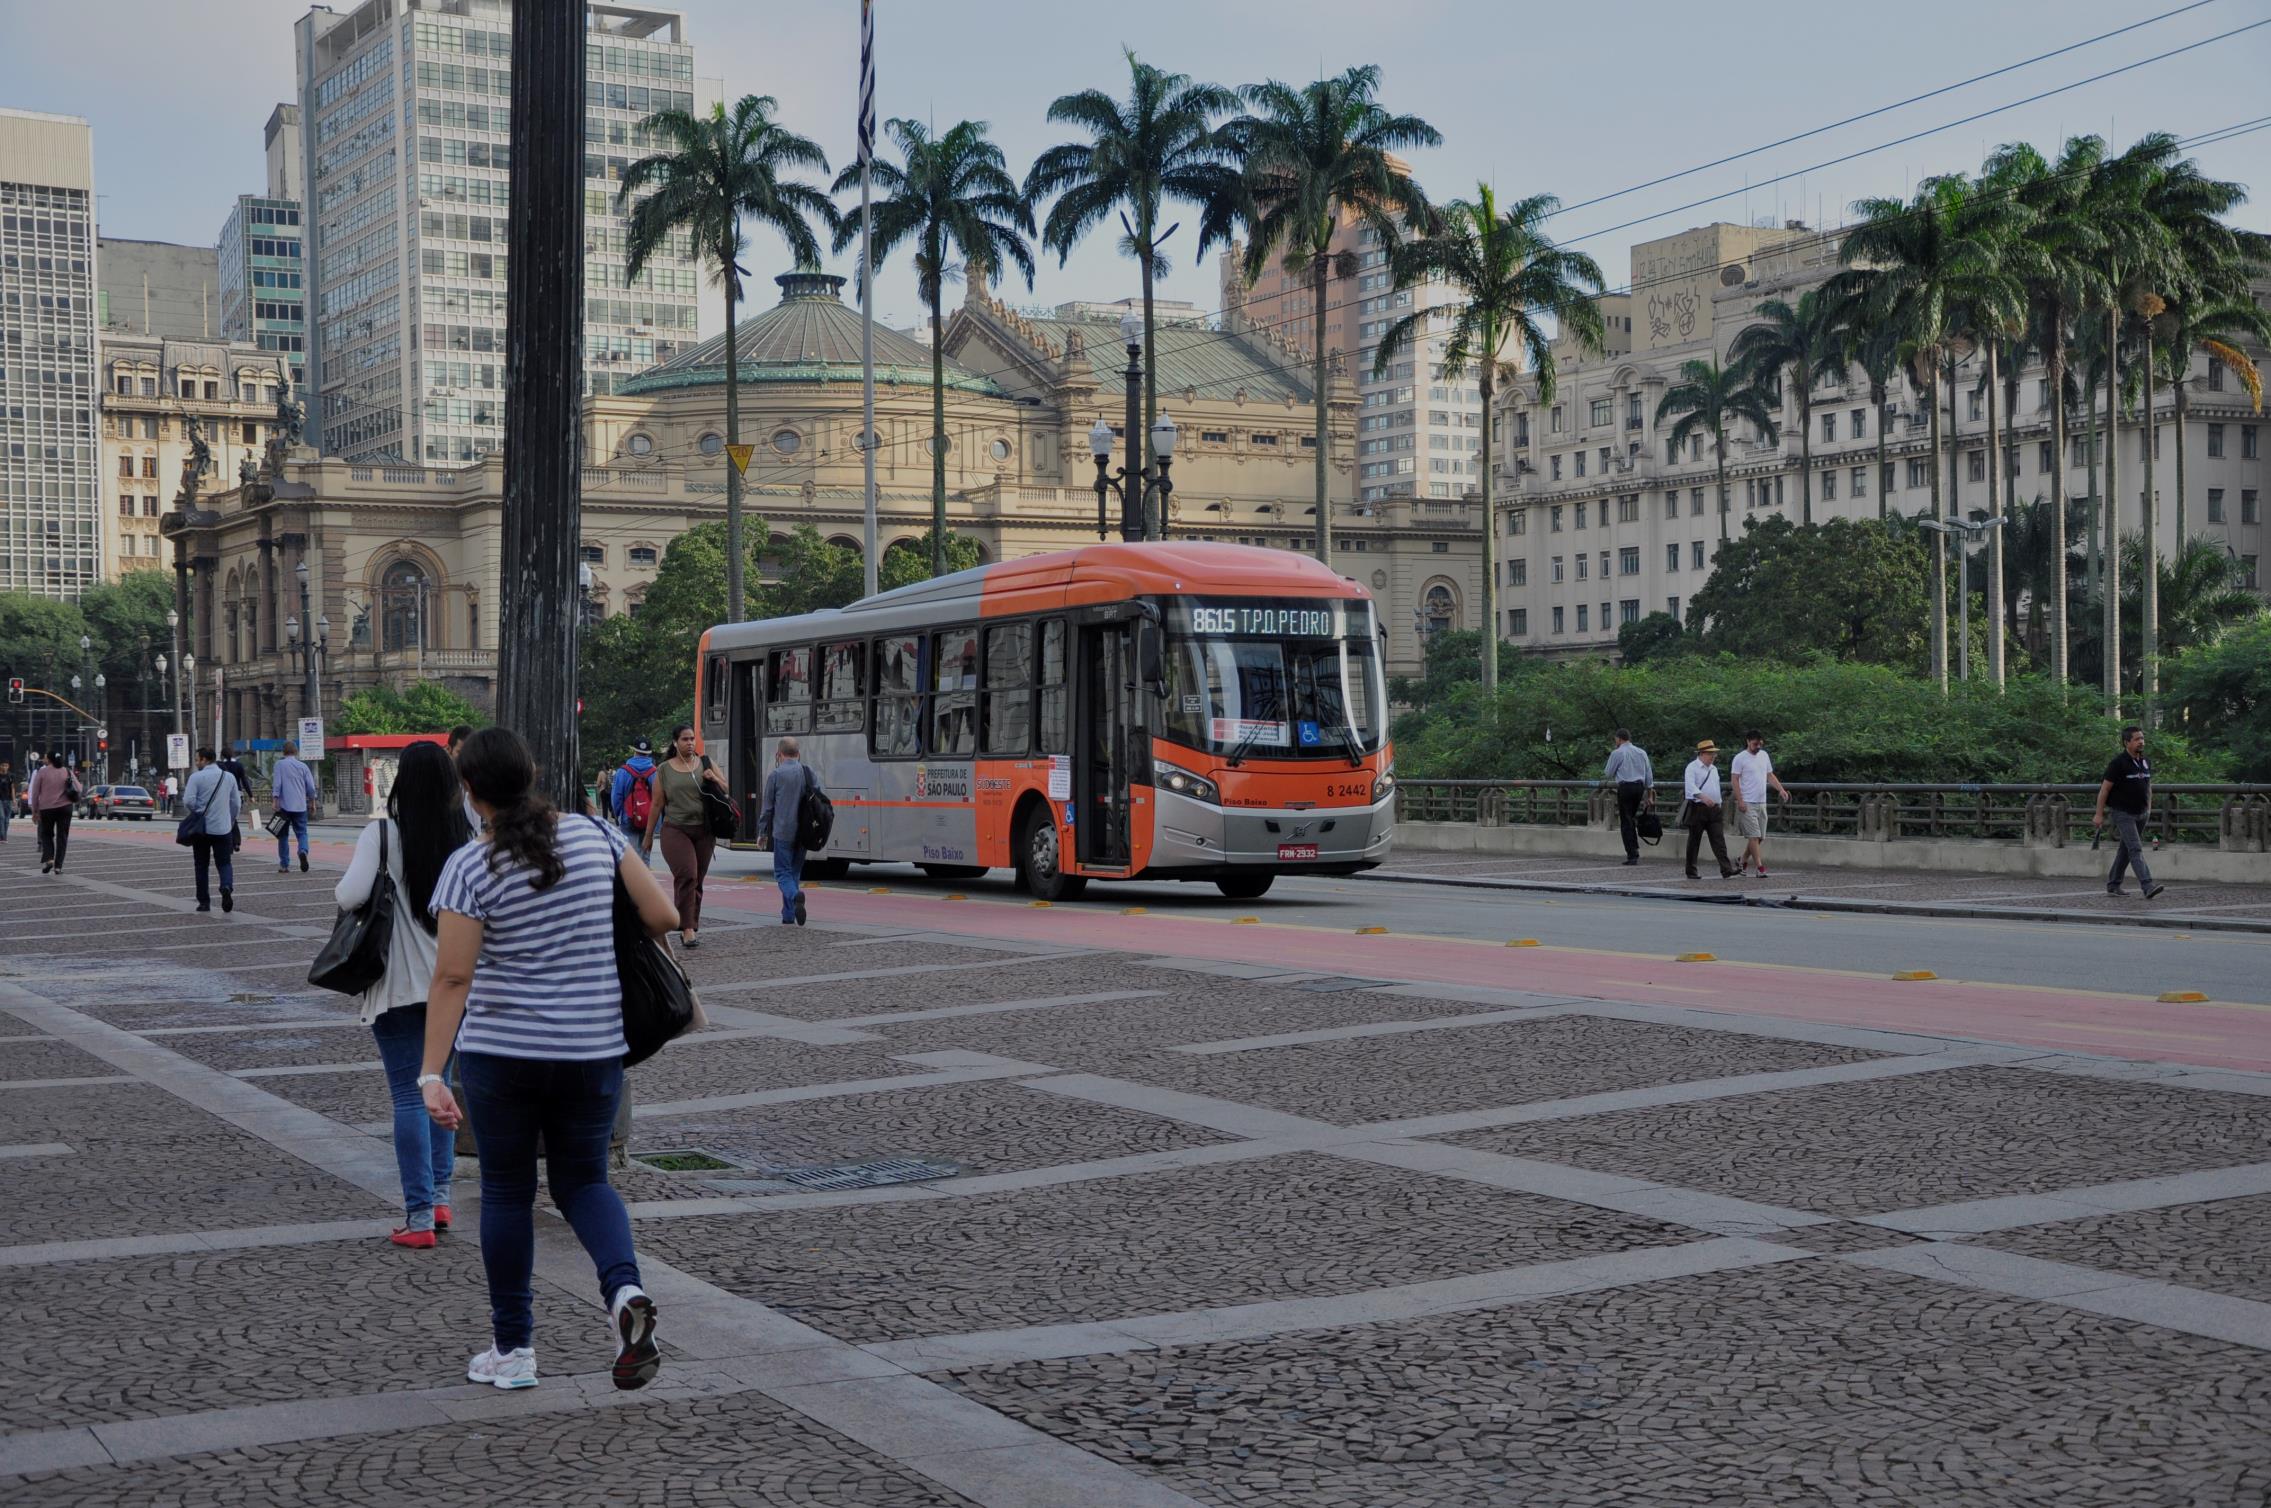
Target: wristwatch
[{"x": 430, "y": 1078}]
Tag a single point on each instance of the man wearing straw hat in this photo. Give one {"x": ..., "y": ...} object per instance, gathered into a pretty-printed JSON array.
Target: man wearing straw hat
[{"x": 1700, "y": 810}]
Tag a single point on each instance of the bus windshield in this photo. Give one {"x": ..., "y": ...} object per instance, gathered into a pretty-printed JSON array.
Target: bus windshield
[{"x": 1278, "y": 678}]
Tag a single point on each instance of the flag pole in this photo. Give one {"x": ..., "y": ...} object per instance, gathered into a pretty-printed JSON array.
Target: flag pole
[{"x": 867, "y": 280}]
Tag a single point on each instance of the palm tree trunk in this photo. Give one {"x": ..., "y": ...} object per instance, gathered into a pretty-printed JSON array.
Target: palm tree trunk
[
  {"x": 1961, "y": 566},
  {"x": 1150, "y": 384},
  {"x": 2054, "y": 366},
  {"x": 937, "y": 440},
  {"x": 1939, "y": 541},
  {"x": 734, "y": 599},
  {"x": 1995, "y": 640},
  {"x": 2149, "y": 581},
  {"x": 1324, "y": 514},
  {"x": 2183, "y": 517},
  {"x": 1884, "y": 483},
  {"x": 1806, "y": 457},
  {"x": 2111, "y": 512},
  {"x": 1489, "y": 556},
  {"x": 1719, "y": 453},
  {"x": 2091, "y": 568}
]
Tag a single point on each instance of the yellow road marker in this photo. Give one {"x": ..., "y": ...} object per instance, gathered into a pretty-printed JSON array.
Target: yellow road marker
[
  {"x": 2181, "y": 997},
  {"x": 1909, "y": 976},
  {"x": 1245, "y": 921},
  {"x": 1697, "y": 958},
  {"x": 1135, "y": 911},
  {"x": 1040, "y": 905},
  {"x": 879, "y": 890},
  {"x": 1523, "y": 942},
  {"x": 1370, "y": 931},
  {"x": 957, "y": 896}
]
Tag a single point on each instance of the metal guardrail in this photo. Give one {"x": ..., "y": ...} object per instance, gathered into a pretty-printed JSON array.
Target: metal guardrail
[{"x": 2235, "y": 818}]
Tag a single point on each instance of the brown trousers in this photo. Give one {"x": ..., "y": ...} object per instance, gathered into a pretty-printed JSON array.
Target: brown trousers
[{"x": 687, "y": 850}]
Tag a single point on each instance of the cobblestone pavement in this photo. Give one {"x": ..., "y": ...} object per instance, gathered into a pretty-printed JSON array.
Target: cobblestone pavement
[{"x": 1184, "y": 1231}]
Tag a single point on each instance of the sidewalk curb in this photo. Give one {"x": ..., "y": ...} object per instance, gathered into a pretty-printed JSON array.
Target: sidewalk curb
[{"x": 2175, "y": 921}]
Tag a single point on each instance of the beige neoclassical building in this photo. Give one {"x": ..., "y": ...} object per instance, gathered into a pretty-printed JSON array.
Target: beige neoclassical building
[{"x": 402, "y": 559}]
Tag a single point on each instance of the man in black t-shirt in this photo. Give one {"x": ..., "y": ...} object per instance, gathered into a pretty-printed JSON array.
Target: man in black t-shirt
[{"x": 2128, "y": 789}]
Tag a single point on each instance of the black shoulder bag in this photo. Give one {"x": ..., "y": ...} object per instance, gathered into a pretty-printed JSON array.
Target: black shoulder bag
[
  {"x": 658, "y": 999},
  {"x": 354, "y": 958},
  {"x": 718, "y": 809}
]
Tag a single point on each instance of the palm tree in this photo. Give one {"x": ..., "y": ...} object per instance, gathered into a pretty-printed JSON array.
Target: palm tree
[
  {"x": 1876, "y": 351},
  {"x": 1703, "y": 400},
  {"x": 1511, "y": 275},
  {"x": 1315, "y": 156},
  {"x": 1806, "y": 345},
  {"x": 1995, "y": 313},
  {"x": 708, "y": 172},
  {"x": 1161, "y": 144},
  {"x": 953, "y": 199},
  {"x": 2209, "y": 323},
  {"x": 1916, "y": 262}
]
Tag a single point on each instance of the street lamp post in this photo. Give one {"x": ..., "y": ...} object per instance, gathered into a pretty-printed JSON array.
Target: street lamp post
[
  {"x": 1967, "y": 533},
  {"x": 173, "y": 626},
  {"x": 1135, "y": 484}
]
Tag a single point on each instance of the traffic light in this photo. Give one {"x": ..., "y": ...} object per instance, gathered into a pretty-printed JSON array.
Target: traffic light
[{"x": 15, "y": 688}]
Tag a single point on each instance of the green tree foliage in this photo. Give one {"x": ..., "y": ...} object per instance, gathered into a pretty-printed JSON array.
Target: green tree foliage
[
  {"x": 39, "y": 636},
  {"x": 1853, "y": 589},
  {"x": 1824, "y": 719},
  {"x": 420, "y": 707},
  {"x": 908, "y": 561},
  {"x": 2219, "y": 694},
  {"x": 1653, "y": 638}
]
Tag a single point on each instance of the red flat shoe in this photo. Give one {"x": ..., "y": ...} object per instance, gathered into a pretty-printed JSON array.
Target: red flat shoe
[
  {"x": 441, "y": 1217},
  {"x": 422, "y": 1240}
]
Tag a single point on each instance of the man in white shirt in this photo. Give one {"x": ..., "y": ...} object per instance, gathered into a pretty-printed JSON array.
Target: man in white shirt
[
  {"x": 1753, "y": 770},
  {"x": 1700, "y": 796}
]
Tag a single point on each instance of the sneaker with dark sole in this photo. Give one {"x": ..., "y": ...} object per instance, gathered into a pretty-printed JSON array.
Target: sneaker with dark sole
[
  {"x": 640, "y": 1358},
  {"x": 800, "y": 908},
  {"x": 303, "y": 863},
  {"x": 2153, "y": 890},
  {"x": 228, "y": 900}
]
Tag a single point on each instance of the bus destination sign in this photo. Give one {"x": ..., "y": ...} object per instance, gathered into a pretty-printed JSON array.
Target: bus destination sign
[{"x": 1260, "y": 620}]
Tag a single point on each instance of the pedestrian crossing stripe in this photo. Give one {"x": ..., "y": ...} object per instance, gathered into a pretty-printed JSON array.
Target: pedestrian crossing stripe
[{"x": 741, "y": 455}]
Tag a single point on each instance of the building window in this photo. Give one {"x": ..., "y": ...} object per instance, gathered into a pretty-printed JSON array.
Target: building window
[
  {"x": 1553, "y": 465},
  {"x": 402, "y": 596},
  {"x": 150, "y": 466},
  {"x": 1554, "y": 519},
  {"x": 1628, "y": 561},
  {"x": 1581, "y": 515},
  {"x": 1672, "y": 504},
  {"x": 1555, "y": 425},
  {"x": 126, "y": 505},
  {"x": 1628, "y": 509},
  {"x": 2215, "y": 441},
  {"x": 1672, "y": 606},
  {"x": 2042, "y": 394},
  {"x": 1695, "y": 503},
  {"x": 1975, "y": 465},
  {"x": 787, "y": 441},
  {"x": 2247, "y": 576},
  {"x": 593, "y": 554},
  {"x": 643, "y": 555},
  {"x": 2247, "y": 448},
  {"x": 1829, "y": 486},
  {"x": 1859, "y": 427},
  {"x": 1628, "y": 610},
  {"x": 149, "y": 506},
  {"x": 1557, "y": 620},
  {"x": 1584, "y": 566},
  {"x": 1697, "y": 561},
  {"x": 712, "y": 444},
  {"x": 1829, "y": 426},
  {"x": 2215, "y": 505},
  {"x": 1518, "y": 623},
  {"x": 1579, "y": 469},
  {"x": 1440, "y": 546},
  {"x": 2215, "y": 375},
  {"x": 640, "y": 445},
  {"x": 126, "y": 466},
  {"x": 1557, "y": 568},
  {"x": 2042, "y": 457},
  {"x": 1977, "y": 399},
  {"x": 1518, "y": 522},
  {"x": 2250, "y": 511},
  {"x": 1584, "y": 618},
  {"x": 1604, "y": 411},
  {"x": 1917, "y": 476},
  {"x": 1672, "y": 556},
  {"x": 1888, "y": 477},
  {"x": 1518, "y": 572},
  {"x": 1858, "y": 482}
]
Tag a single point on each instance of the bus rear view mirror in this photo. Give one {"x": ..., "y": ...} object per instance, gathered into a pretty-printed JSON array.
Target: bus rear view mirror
[{"x": 1149, "y": 665}]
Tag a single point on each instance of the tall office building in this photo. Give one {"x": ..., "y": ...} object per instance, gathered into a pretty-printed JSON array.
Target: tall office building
[
  {"x": 405, "y": 114},
  {"x": 50, "y": 523},
  {"x": 263, "y": 261},
  {"x": 160, "y": 288}
]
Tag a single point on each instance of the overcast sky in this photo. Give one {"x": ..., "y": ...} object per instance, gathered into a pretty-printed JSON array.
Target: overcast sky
[{"x": 1575, "y": 100}]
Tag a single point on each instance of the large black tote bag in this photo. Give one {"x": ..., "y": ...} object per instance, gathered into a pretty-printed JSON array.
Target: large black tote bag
[
  {"x": 658, "y": 999},
  {"x": 354, "y": 958}
]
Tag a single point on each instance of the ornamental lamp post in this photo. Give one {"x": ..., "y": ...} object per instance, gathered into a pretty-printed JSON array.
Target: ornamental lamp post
[
  {"x": 173, "y": 626},
  {"x": 1135, "y": 484},
  {"x": 1967, "y": 533}
]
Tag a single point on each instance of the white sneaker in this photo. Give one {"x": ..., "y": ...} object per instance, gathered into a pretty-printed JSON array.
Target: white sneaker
[
  {"x": 639, "y": 1358},
  {"x": 516, "y": 1369}
]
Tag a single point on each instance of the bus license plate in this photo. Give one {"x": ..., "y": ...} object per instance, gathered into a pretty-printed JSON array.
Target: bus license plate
[{"x": 1296, "y": 851}]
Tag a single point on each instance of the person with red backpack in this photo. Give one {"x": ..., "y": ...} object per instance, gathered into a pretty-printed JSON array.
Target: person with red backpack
[{"x": 631, "y": 794}]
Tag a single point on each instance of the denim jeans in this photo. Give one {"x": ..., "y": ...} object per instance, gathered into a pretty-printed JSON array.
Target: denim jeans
[
  {"x": 2128, "y": 851},
  {"x": 423, "y": 1151},
  {"x": 7, "y": 810},
  {"x": 215, "y": 852},
  {"x": 512, "y": 1101},
  {"x": 284, "y": 844},
  {"x": 788, "y": 873}
]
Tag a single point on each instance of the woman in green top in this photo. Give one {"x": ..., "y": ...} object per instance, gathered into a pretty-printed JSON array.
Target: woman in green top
[{"x": 686, "y": 842}]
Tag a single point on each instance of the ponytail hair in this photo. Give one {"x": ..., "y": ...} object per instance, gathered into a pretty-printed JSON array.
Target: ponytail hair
[{"x": 498, "y": 769}]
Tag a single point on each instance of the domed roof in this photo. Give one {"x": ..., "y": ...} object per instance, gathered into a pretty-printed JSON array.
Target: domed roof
[{"x": 811, "y": 335}]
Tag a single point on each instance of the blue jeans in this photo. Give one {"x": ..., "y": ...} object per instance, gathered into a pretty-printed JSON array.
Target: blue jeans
[
  {"x": 788, "y": 873},
  {"x": 423, "y": 1151},
  {"x": 512, "y": 1101},
  {"x": 7, "y": 810},
  {"x": 215, "y": 853},
  {"x": 284, "y": 844}
]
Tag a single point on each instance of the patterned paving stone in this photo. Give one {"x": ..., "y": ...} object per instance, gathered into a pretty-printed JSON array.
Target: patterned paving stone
[
  {"x": 1296, "y": 1226},
  {"x": 278, "y": 1046},
  {"x": 181, "y": 1334},
  {"x": 1890, "y": 1144},
  {"x": 2224, "y": 1246},
  {"x": 1475, "y": 1068},
  {"x": 703, "y": 1453},
  {"x": 221, "y": 1010},
  {"x": 1790, "y": 1385},
  {"x": 1004, "y": 977},
  {"x": 352, "y": 1099},
  {"x": 49, "y": 1060},
  {"x": 695, "y": 1069},
  {"x": 144, "y": 1163}
]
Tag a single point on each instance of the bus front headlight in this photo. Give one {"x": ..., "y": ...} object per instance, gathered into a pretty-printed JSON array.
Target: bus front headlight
[
  {"x": 1385, "y": 786},
  {"x": 1182, "y": 782}
]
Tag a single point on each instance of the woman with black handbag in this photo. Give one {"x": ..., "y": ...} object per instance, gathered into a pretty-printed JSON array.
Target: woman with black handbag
[
  {"x": 405, "y": 850},
  {"x": 688, "y": 793},
  {"x": 526, "y": 961}
]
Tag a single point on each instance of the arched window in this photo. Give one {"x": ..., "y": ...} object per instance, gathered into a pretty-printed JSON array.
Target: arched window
[
  {"x": 1441, "y": 610},
  {"x": 406, "y": 598}
]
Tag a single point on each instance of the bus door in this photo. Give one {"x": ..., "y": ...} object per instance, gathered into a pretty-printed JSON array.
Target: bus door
[
  {"x": 1109, "y": 735},
  {"x": 748, "y": 772}
]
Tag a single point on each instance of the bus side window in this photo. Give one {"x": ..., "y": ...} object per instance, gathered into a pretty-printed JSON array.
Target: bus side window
[
  {"x": 1009, "y": 689},
  {"x": 896, "y": 730},
  {"x": 788, "y": 692},
  {"x": 714, "y": 692},
  {"x": 1055, "y": 729},
  {"x": 843, "y": 688},
  {"x": 954, "y": 708}
]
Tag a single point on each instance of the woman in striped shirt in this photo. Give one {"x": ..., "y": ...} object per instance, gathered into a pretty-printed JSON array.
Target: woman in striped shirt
[{"x": 525, "y": 959}]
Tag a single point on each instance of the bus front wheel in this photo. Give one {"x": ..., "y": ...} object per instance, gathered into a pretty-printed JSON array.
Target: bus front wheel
[
  {"x": 1040, "y": 861},
  {"x": 1245, "y": 887}
]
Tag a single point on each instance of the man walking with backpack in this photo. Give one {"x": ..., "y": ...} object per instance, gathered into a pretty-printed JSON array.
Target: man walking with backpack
[
  {"x": 630, "y": 795},
  {"x": 779, "y": 827}
]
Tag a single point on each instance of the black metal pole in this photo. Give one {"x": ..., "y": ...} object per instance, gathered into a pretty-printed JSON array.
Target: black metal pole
[
  {"x": 536, "y": 655},
  {"x": 1131, "y": 480}
]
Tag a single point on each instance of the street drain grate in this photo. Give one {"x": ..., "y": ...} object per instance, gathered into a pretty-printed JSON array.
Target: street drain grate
[
  {"x": 870, "y": 1175},
  {"x": 1336, "y": 984}
]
